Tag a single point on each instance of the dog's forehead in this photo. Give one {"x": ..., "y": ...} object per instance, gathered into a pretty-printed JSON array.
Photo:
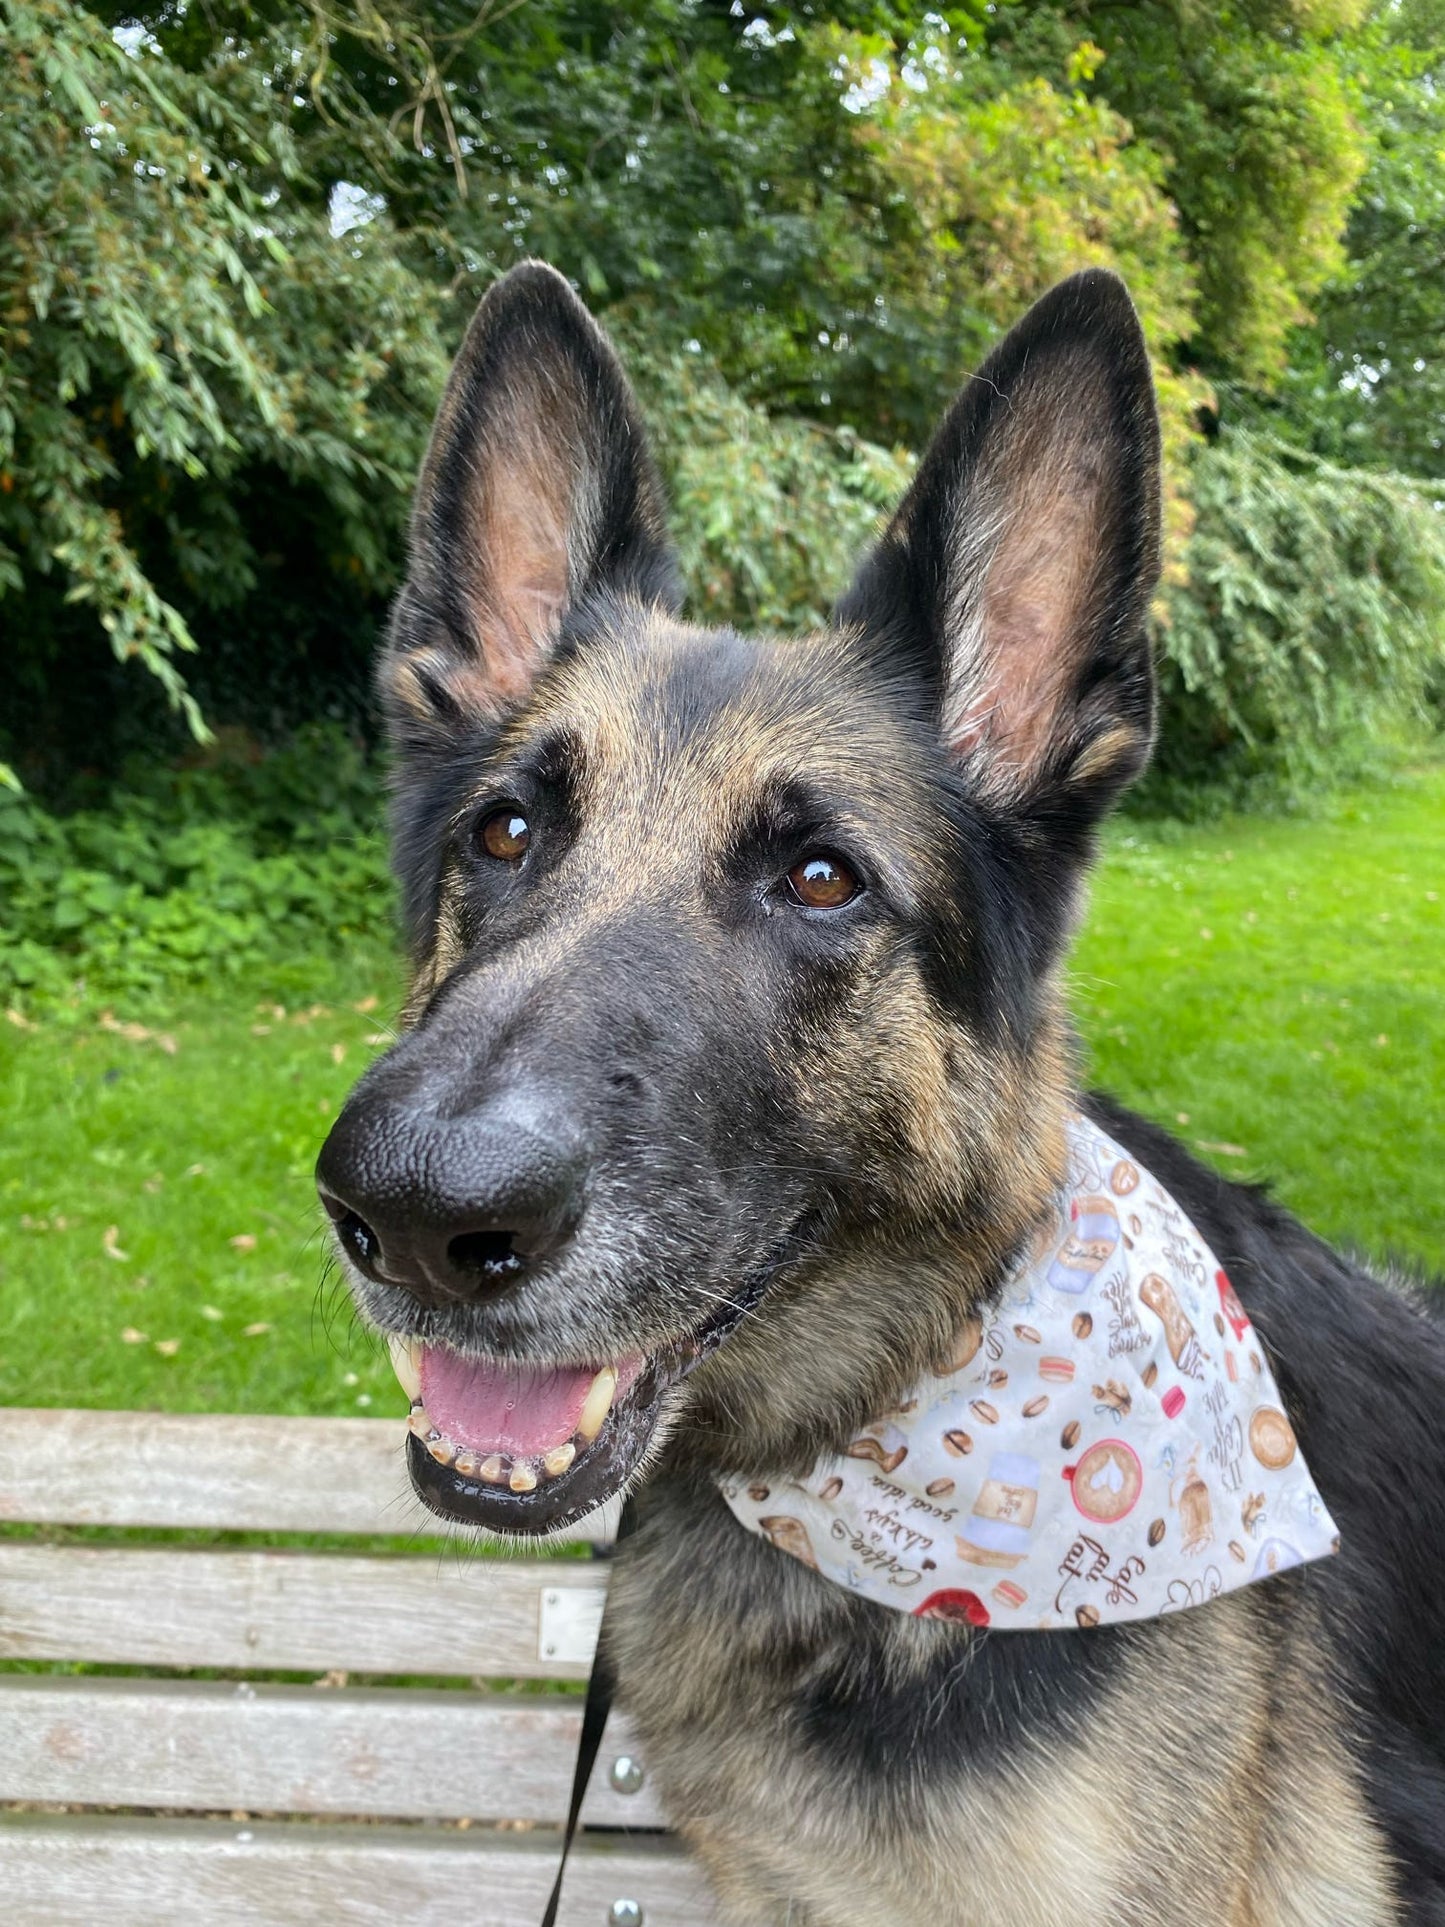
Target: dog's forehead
[{"x": 662, "y": 710}]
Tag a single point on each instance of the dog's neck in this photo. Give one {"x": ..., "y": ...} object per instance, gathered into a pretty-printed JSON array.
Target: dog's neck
[{"x": 840, "y": 1339}]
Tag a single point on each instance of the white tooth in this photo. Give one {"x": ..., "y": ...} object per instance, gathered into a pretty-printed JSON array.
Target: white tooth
[
  {"x": 466, "y": 1464},
  {"x": 418, "y": 1421},
  {"x": 559, "y": 1458},
  {"x": 523, "y": 1479},
  {"x": 492, "y": 1470},
  {"x": 596, "y": 1405},
  {"x": 406, "y": 1363},
  {"x": 442, "y": 1450}
]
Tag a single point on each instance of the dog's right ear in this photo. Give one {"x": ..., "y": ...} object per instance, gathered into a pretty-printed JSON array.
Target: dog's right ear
[
  {"x": 537, "y": 490},
  {"x": 1016, "y": 576}
]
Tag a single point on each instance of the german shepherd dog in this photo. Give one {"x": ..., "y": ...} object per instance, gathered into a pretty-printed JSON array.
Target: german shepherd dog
[{"x": 733, "y": 1080}]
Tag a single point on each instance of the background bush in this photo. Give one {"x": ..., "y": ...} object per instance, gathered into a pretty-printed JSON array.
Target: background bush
[
  {"x": 193, "y": 876},
  {"x": 1309, "y": 623}
]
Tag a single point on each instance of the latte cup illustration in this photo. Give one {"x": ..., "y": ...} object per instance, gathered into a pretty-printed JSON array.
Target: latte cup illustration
[
  {"x": 1271, "y": 1438},
  {"x": 997, "y": 1531},
  {"x": 1107, "y": 1481},
  {"x": 956, "y": 1604},
  {"x": 1091, "y": 1243}
]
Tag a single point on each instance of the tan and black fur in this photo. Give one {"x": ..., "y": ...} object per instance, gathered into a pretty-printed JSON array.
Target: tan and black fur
[{"x": 842, "y": 1125}]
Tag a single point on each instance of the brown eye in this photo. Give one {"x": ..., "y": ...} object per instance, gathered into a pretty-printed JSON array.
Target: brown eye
[
  {"x": 822, "y": 883},
  {"x": 505, "y": 834}
]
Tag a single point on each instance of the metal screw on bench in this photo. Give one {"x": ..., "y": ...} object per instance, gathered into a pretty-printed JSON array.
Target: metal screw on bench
[
  {"x": 627, "y": 1776},
  {"x": 624, "y": 1913}
]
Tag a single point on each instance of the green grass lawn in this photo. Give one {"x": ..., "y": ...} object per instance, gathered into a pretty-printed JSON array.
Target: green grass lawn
[{"x": 1273, "y": 989}]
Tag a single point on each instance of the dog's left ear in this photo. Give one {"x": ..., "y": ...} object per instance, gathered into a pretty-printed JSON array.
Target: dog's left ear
[{"x": 1017, "y": 572}]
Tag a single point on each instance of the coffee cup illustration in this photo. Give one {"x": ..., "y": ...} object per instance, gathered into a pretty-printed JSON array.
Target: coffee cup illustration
[
  {"x": 997, "y": 1530},
  {"x": 1107, "y": 1481},
  {"x": 1091, "y": 1243}
]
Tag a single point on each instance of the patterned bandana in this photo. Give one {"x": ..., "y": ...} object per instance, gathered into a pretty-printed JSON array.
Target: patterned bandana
[{"x": 1107, "y": 1442}]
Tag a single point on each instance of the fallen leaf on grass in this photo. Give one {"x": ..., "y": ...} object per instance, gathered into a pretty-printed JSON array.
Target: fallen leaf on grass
[
  {"x": 1221, "y": 1150},
  {"x": 137, "y": 1033},
  {"x": 110, "y": 1244},
  {"x": 168, "y": 1347},
  {"x": 338, "y": 1053},
  {"x": 366, "y": 1004},
  {"x": 213, "y": 1313},
  {"x": 243, "y": 1241},
  {"x": 22, "y": 1022},
  {"x": 194, "y": 1171},
  {"x": 260, "y": 1030},
  {"x": 258, "y": 1330},
  {"x": 130, "y": 1336}
]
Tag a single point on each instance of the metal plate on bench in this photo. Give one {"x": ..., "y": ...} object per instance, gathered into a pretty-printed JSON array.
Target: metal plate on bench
[{"x": 568, "y": 1622}]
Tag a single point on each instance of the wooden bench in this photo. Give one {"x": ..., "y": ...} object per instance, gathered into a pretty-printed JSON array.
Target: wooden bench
[{"x": 145, "y": 1797}]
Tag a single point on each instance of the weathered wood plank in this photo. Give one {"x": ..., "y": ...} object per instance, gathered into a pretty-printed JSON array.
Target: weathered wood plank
[
  {"x": 388, "y": 1753},
  {"x": 229, "y": 1471},
  {"x": 62, "y": 1871},
  {"x": 287, "y": 1611}
]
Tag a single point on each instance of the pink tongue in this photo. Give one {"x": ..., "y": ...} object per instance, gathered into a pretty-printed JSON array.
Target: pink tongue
[{"x": 494, "y": 1407}]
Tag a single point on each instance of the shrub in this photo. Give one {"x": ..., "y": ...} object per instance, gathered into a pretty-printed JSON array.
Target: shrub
[
  {"x": 192, "y": 876},
  {"x": 1312, "y": 617}
]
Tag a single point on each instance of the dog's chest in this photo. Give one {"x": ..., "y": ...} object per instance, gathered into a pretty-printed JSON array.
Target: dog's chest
[{"x": 834, "y": 1765}]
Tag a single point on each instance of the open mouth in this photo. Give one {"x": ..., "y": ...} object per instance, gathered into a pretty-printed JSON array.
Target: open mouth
[
  {"x": 515, "y": 1447},
  {"x": 524, "y": 1448}
]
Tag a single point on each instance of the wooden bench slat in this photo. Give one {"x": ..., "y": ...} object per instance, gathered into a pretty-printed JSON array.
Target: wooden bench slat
[
  {"x": 177, "y": 1607},
  {"x": 63, "y": 1871},
  {"x": 231, "y": 1472},
  {"x": 384, "y": 1752}
]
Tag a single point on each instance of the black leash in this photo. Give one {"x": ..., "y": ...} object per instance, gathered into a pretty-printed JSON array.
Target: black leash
[{"x": 594, "y": 1721}]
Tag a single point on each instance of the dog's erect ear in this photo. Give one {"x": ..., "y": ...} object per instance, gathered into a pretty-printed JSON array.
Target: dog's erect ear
[
  {"x": 537, "y": 490},
  {"x": 1019, "y": 567}
]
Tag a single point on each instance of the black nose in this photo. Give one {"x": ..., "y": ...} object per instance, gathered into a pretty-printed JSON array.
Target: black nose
[{"x": 449, "y": 1207}]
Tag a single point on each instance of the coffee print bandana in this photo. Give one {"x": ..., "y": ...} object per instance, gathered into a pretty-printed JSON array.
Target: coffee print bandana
[{"x": 1106, "y": 1444}]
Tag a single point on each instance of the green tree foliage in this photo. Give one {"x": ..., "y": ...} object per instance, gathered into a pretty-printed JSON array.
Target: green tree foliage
[
  {"x": 177, "y": 321},
  {"x": 1368, "y": 381},
  {"x": 240, "y": 240},
  {"x": 1252, "y": 106}
]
